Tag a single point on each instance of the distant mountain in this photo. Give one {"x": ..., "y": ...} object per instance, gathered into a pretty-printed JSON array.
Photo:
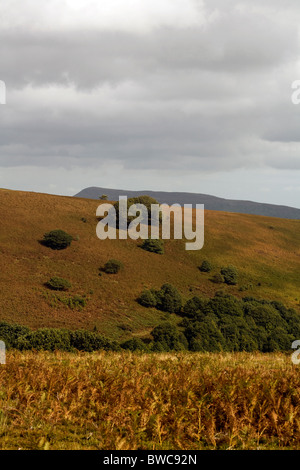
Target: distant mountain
[{"x": 210, "y": 202}]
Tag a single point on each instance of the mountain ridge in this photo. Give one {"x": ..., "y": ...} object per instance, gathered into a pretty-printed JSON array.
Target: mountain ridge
[{"x": 210, "y": 202}]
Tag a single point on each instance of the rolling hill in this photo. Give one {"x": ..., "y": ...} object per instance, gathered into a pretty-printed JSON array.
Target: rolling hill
[
  {"x": 265, "y": 250},
  {"x": 210, "y": 202}
]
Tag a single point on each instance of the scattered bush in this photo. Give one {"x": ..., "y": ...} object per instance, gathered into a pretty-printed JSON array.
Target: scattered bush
[
  {"x": 58, "y": 283},
  {"x": 57, "y": 240},
  {"x": 154, "y": 246},
  {"x": 205, "y": 267},
  {"x": 112, "y": 266},
  {"x": 230, "y": 275}
]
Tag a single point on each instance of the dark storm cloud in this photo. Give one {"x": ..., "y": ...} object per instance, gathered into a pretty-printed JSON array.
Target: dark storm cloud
[{"x": 207, "y": 97}]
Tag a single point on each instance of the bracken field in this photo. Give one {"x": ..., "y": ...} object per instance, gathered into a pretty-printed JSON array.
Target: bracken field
[{"x": 122, "y": 401}]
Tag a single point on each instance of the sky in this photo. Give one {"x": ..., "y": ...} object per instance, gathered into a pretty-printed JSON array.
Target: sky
[{"x": 169, "y": 95}]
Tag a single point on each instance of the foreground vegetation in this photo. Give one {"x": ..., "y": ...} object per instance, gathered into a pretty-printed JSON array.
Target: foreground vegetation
[{"x": 112, "y": 400}]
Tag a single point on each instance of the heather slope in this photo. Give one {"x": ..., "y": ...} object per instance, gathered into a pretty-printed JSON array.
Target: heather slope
[{"x": 266, "y": 252}]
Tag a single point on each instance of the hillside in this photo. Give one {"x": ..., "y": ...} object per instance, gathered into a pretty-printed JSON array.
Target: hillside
[
  {"x": 210, "y": 202},
  {"x": 266, "y": 252}
]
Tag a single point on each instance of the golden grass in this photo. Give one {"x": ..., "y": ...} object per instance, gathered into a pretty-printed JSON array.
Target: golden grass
[{"x": 120, "y": 401}]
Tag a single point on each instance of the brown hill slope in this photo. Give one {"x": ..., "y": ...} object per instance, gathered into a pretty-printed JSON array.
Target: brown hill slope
[{"x": 265, "y": 250}]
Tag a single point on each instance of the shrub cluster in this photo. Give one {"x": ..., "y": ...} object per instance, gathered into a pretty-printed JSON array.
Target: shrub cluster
[
  {"x": 167, "y": 299},
  {"x": 223, "y": 323},
  {"x": 153, "y": 245},
  {"x": 51, "y": 339},
  {"x": 228, "y": 274}
]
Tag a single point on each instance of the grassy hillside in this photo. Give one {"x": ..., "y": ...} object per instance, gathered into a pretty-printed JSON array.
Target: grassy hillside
[{"x": 266, "y": 252}]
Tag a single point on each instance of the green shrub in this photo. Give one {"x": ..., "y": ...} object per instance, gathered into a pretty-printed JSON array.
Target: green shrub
[
  {"x": 89, "y": 341},
  {"x": 230, "y": 275},
  {"x": 204, "y": 336},
  {"x": 145, "y": 200},
  {"x": 154, "y": 246},
  {"x": 57, "y": 239},
  {"x": 267, "y": 317},
  {"x": 194, "y": 308},
  {"x": 148, "y": 298},
  {"x": 169, "y": 299},
  {"x": 47, "y": 339},
  {"x": 112, "y": 266},
  {"x": 205, "y": 267},
  {"x": 227, "y": 305},
  {"x": 58, "y": 283},
  {"x": 279, "y": 340},
  {"x": 10, "y": 333},
  {"x": 135, "y": 344},
  {"x": 169, "y": 338}
]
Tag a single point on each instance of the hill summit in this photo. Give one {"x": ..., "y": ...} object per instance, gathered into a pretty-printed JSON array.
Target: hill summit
[{"x": 210, "y": 202}]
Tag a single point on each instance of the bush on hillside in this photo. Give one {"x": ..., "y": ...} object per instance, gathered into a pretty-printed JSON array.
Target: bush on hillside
[
  {"x": 204, "y": 336},
  {"x": 135, "y": 344},
  {"x": 112, "y": 266},
  {"x": 154, "y": 246},
  {"x": 89, "y": 341},
  {"x": 205, "y": 267},
  {"x": 167, "y": 337},
  {"x": 57, "y": 239},
  {"x": 58, "y": 283},
  {"x": 47, "y": 339},
  {"x": 10, "y": 333},
  {"x": 169, "y": 299},
  {"x": 225, "y": 305},
  {"x": 230, "y": 274},
  {"x": 194, "y": 308}
]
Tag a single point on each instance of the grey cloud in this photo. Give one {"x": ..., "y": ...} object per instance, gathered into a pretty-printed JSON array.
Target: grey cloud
[{"x": 197, "y": 99}]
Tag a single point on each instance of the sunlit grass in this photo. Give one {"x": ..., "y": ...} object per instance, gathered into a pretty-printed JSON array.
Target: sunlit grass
[{"x": 149, "y": 401}]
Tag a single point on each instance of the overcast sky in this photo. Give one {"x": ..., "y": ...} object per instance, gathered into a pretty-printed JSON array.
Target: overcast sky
[{"x": 174, "y": 95}]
